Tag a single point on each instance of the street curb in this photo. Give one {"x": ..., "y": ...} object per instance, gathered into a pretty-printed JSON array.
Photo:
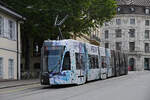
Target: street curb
[{"x": 25, "y": 84}]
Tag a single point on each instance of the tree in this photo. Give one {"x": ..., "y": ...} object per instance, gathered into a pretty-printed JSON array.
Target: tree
[{"x": 41, "y": 14}]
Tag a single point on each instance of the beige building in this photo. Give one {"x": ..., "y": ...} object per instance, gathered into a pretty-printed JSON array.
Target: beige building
[{"x": 9, "y": 43}]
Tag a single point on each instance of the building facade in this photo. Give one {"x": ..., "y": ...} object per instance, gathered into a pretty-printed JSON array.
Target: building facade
[
  {"x": 9, "y": 43},
  {"x": 129, "y": 31}
]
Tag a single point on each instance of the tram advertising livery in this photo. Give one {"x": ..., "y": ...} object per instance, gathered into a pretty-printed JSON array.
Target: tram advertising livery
[{"x": 74, "y": 62}]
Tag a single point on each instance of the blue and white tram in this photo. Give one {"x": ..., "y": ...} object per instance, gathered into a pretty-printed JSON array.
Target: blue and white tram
[
  {"x": 73, "y": 62},
  {"x": 93, "y": 62},
  {"x": 63, "y": 62},
  {"x": 103, "y": 65},
  {"x": 108, "y": 62}
]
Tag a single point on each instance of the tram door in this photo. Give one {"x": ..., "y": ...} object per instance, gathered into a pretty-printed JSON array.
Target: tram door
[
  {"x": 131, "y": 64},
  {"x": 103, "y": 72},
  {"x": 112, "y": 63},
  {"x": 146, "y": 64},
  {"x": 123, "y": 66},
  {"x": 125, "y": 60},
  {"x": 108, "y": 62},
  {"x": 80, "y": 67},
  {"x": 116, "y": 64}
]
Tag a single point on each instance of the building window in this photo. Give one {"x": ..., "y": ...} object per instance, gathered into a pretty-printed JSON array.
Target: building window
[
  {"x": 132, "y": 21},
  {"x": 106, "y": 45},
  {"x": 106, "y": 34},
  {"x": 146, "y": 11},
  {"x": 118, "y": 21},
  {"x": 131, "y": 64},
  {"x": 11, "y": 69},
  {"x": 1, "y": 25},
  {"x": 118, "y": 33},
  {"x": 131, "y": 33},
  {"x": 1, "y": 67},
  {"x": 146, "y": 64},
  {"x": 118, "y": 9},
  {"x": 146, "y": 34},
  {"x": 118, "y": 45},
  {"x": 146, "y": 22},
  {"x": 146, "y": 47},
  {"x": 36, "y": 66},
  {"x": 132, "y": 9},
  {"x": 106, "y": 24},
  {"x": 132, "y": 46},
  {"x": 11, "y": 28}
]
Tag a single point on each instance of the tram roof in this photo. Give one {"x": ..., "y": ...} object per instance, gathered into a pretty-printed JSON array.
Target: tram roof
[{"x": 69, "y": 41}]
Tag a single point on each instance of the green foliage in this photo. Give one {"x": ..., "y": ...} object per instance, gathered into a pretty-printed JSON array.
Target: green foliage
[{"x": 41, "y": 14}]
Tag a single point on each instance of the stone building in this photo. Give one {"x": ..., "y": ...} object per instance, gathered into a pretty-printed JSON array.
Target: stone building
[
  {"x": 9, "y": 43},
  {"x": 129, "y": 31}
]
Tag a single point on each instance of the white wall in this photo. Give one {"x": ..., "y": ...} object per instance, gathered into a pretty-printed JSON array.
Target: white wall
[{"x": 8, "y": 47}]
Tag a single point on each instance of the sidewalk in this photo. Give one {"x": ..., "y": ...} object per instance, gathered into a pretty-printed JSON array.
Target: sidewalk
[{"x": 10, "y": 84}]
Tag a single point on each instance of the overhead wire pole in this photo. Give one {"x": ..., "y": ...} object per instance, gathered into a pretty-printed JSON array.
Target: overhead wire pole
[
  {"x": 60, "y": 33},
  {"x": 58, "y": 24}
]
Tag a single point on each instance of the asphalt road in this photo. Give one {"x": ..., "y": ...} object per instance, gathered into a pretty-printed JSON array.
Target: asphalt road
[{"x": 135, "y": 86}]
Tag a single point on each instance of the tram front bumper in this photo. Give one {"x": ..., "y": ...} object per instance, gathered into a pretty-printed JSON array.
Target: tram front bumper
[{"x": 44, "y": 79}]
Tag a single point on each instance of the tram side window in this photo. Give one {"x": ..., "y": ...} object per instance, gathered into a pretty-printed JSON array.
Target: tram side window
[
  {"x": 80, "y": 61},
  {"x": 66, "y": 63},
  {"x": 112, "y": 61},
  {"x": 93, "y": 61},
  {"x": 90, "y": 62},
  {"x": 103, "y": 62},
  {"x": 123, "y": 60},
  {"x": 122, "y": 64},
  {"x": 96, "y": 62}
]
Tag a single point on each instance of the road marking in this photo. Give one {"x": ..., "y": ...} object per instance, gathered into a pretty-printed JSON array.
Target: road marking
[{"x": 20, "y": 89}]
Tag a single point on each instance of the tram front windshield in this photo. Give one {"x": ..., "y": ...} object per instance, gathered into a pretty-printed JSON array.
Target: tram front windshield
[{"x": 54, "y": 57}]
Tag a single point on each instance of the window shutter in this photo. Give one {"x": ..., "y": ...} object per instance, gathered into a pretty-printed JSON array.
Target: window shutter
[
  {"x": 3, "y": 27},
  {"x": 7, "y": 29},
  {"x": 14, "y": 31},
  {"x": 1, "y": 67}
]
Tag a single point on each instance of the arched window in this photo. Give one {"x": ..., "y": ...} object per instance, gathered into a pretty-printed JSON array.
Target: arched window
[
  {"x": 118, "y": 9},
  {"x": 132, "y": 9},
  {"x": 131, "y": 64},
  {"x": 147, "y": 11},
  {"x": 146, "y": 64}
]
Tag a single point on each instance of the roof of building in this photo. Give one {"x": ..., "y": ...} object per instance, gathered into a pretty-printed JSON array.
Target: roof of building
[
  {"x": 134, "y": 2},
  {"x": 10, "y": 11}
]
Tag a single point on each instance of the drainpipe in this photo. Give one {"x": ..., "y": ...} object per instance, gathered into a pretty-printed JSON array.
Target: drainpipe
[{"x": 18, "y": 78}]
